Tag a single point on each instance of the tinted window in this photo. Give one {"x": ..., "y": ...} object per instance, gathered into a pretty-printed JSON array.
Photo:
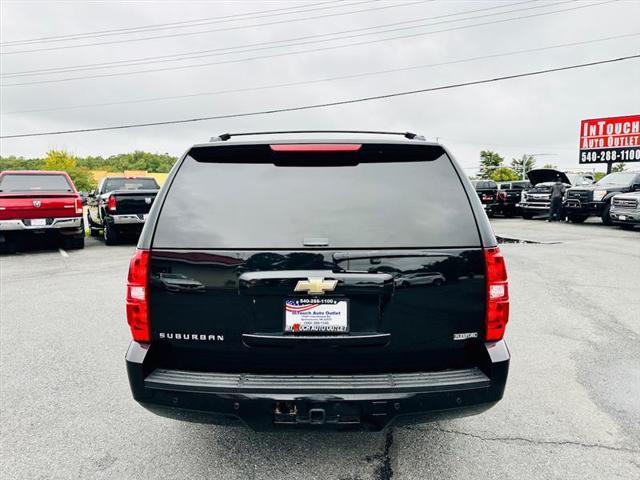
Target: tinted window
[
  {"x": 621, "y": 179},
  {"x": 482, "y": 185},
  {"x": 129, "y": 184},
  {"x": 520, "y": 185},
  {"x": 261, "y": 205},
  {"x": 578, "y": 179},
  {"x": 34, "y": 183}
]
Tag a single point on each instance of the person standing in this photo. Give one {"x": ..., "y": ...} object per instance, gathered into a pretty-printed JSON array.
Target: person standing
[{"x": 557, "y": 195}]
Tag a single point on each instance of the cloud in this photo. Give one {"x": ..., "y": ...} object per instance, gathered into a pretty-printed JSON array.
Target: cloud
[{"x": 531, "y": 115}]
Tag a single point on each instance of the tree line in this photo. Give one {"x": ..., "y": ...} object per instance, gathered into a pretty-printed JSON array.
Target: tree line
[
  {"x": 492, "y": 167},
  {"x": 79, "y": 168}
]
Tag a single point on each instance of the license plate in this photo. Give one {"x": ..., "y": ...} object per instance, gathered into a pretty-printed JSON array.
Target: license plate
[
  {"x": 38, "y": 222},
  {"x": 622, "y": 217},
  {"x": 316, "y": 315}
]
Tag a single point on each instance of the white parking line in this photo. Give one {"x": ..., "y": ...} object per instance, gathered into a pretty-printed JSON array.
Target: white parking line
[{"x": 63, "y": 253}]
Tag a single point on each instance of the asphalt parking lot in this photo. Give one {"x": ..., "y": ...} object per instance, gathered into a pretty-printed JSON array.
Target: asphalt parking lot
[{"x": 571, "y": 407}]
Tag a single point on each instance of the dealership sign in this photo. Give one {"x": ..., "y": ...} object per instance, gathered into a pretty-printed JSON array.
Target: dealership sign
[{"x": 613, "y": 139}]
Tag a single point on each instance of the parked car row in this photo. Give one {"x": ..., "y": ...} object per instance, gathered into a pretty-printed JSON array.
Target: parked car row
[
  {"x": 615, "y": 198},
  {"x": 46, "y": 204},
  {"x": 597, "y": 199}
]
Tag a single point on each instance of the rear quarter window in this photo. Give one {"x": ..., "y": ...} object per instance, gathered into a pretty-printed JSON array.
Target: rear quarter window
[
  {"x": 22, "y": 183},
  {"x": 374, "y": 204}
]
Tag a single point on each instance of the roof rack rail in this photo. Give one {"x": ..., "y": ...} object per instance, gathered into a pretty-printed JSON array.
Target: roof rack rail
[{"x": 226, "y": 136}]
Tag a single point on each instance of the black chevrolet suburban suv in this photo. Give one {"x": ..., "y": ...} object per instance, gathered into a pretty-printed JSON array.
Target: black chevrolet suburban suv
[{"x": 264, "y": 287}]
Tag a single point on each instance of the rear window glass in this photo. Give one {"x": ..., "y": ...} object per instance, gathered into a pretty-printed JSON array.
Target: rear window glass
[
  {"x": 485, "y": 184},
  {"x": 392, "y": 203},
  {"x": 130, "y": 184},
  {"x": 34, "y": 183}
]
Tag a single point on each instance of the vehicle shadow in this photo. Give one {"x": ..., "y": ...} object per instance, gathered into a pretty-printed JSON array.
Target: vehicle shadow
[
  {"x": 306, "y": 454},
  {"x": 31, "y": 245},
  {"x": 124, "y": 240}
]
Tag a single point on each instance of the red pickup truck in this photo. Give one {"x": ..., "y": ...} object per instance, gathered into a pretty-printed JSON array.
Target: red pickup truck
[{"x": 39, "y": 203}]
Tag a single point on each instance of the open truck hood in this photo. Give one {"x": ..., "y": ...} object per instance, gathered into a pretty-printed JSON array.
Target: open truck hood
[{"x": 546, "y": 175}]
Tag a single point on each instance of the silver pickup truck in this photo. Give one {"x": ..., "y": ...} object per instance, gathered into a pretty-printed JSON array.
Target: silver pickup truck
[
  {"x": 536, "y": 201},
  {"x": 625, "y": 209}
]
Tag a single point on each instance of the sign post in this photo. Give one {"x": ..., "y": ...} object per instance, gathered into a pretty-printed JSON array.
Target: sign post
[{"x": 610, "y": 140}]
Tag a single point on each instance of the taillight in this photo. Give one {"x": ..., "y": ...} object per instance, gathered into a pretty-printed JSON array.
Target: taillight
[
  {"x": 503, "y": 195},
  {"x": 497, "y": 314},
  {"x": 137, "y": 295},
  {"x": 111, "y": 203},
  {"x": 79, "y": 206}
]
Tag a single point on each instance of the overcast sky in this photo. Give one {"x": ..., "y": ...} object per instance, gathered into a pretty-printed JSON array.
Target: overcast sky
[{"x": 536, "y": 115}]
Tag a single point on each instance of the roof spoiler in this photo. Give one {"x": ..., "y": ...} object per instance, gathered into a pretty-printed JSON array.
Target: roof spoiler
[{"x": 226, "y": 136}]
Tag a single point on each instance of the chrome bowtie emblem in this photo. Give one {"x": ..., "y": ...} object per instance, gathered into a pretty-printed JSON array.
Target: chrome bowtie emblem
[
  {"x": 37, "y": 203},
  {"x": 147, "y": 200},
  {"x": 316, "y": 285}
]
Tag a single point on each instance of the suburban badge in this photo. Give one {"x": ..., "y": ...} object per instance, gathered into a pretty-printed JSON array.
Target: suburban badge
[{"x": 465, "y": 336}]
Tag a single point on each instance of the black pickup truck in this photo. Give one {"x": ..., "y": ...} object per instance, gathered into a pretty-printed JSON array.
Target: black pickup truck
[
  {"x": 487, "y": 191},
  {"x": 120, "y": 205},
  {"x": 367, "y": 300},
  {"x": 595, "y": 200},
  {"x": 509, "y": 195}
]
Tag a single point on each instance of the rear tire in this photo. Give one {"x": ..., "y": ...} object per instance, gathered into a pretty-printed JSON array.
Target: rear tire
[
  {"x": 575, "y": 218},
  {"x": 606, "y": 218},
  {"x": 111, "y": 236}
]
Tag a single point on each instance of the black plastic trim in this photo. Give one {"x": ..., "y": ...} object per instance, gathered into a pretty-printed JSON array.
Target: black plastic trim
[{"x": 180, "y": 380}]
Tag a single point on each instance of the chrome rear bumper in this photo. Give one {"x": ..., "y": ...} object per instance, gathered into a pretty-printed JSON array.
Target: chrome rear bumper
[
  {"x": 52, "y": 224},
  {"x": 128, "y": 219}
]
